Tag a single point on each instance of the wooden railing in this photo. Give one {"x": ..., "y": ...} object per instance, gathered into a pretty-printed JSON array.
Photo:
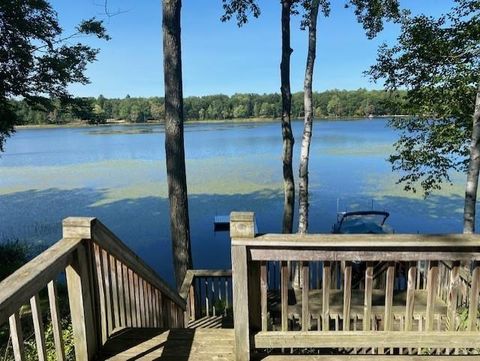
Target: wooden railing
[
  {"x": 208, "y": 294},
  {"x": 109, "y": 288},
  {"x": 395, "y": 313}
]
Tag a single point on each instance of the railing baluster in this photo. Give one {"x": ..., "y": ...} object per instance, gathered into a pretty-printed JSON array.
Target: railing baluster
[
  {"x": 115, "y": 309},
  {"x": 453, "y": 296},
  {"x": 108, "y": 292},
  {"x": 131, "y": 296},
  {"x": 263, "y": 294},
  {"x": 411, "y": 286},
  {"x": 284, "y": 294},
  {"x": 367, "y": 303},
  {"x": 305, "y": 296},
  {"x": 326, "y": 276},
  {"x": 432, "y": 282},
  {"x": 207, "y": 304},
  {"x": 17, "y": 337},
  {"x": 143, "y": 302},
  {"x": 473, "y": 307},
  {"x": 347, "y": 295},
  {"x": 121, "y": 294},
  {"x": 388, "y": 321},
  {"x": 56, "y": 325},
  {"x": 138, "y": 307},
  {"x": 38, "y": 327},
  {"x": 101, "y": 293}
]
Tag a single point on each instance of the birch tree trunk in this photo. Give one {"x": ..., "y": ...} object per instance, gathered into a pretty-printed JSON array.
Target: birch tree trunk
[
  {"x": 473, "y": 169},
  {"x": 308, "y": 121},
  {"x": 174, "y": 142},
  {"x": 287, "y": 135}
]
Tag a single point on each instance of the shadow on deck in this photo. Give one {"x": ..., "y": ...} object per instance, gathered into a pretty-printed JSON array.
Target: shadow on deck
[{"x": 175, "y": 344}]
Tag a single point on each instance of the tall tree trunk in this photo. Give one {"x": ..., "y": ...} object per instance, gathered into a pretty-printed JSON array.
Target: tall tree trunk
[
  {"x": 473, "y": 168},
  {"x": 308, "y": 122},
  {"x": 287, "y": 135},
  {"x": 174, "y": 143}
]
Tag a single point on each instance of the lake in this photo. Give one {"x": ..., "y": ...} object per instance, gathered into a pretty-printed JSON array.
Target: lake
[{"x": 117, "y": 174}]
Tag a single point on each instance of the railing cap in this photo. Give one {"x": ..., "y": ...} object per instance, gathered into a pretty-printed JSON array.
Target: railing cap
[
  {"x": 242, "y": 225},
  {"x": 78, "y": 227}
]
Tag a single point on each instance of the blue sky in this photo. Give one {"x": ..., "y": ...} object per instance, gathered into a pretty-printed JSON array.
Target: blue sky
[{"x": 220, "y": 57}]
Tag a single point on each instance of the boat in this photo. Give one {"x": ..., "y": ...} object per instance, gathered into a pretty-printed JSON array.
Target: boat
[{"x": 358, "y": 222}]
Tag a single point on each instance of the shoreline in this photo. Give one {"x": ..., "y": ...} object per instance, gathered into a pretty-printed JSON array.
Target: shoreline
[{"x": 206, "y": 121}]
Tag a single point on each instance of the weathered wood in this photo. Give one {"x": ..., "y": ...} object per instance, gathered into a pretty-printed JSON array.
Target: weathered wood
[
  {"x": 114, "y": 246},
  {"x": 263, "y": 295},
  {"x": 452, "y": 295},
  {"x": 121, "y": 294},
  {"x": 240, "y": 303},
  {"x": 326, "y": 274},
  {"x": 242, "y": 225},
  {"x": 38, "y": 328},
  {"x": 305, "y": 301},
  {"x": 356, "y": 357},
  {"x": 16, "y": 335},
  {"x": 115, "y": 301},
  {"x": 133, "y": 303},
  {"x": 380, "y": 241},
  {"x": 108, "y": 291},
  {"x": 348, "y": 339},
  {"x": 81, "y": 306},
  {"x": 347, "y": 295},
  {"x": 284, "y": 275},
  {"x": 56, "y": 325},
  {"x": 30, "y": 279},
  {"x": 473, "y": 304},
  {"x": 388, "y": 320},
  {"x": 432, "y": 284},
  {"x": 78, "y": 227},
  {"x": 367, "y": 305},
  {"x": 276, "y": 252},
  {"x": 136, "y": 288},
  {"x": 410, "y": 304},
  {"x": 102, "y": 314}
]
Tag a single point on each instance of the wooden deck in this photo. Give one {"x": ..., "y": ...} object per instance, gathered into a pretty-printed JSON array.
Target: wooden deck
[{"x": 174, "y": 344}]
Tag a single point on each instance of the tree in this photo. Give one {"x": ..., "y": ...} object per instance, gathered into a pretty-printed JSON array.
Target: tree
[
  {"x": 36, "y": 61},
  {"x": 287, "y": 134},
  {"x": 438, "y": 61},
  {"x": 311, "y": 22},
  {"x": 174, "y": 140}
]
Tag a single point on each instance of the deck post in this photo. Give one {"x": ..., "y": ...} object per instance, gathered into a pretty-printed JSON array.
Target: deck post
[
  {"x": 80, "y": 293},
  {"x": 242, "y": 225}
]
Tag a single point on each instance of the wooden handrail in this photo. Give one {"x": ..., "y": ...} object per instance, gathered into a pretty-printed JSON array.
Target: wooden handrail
[
  {"x": 190, "y": 293},
  {"x": 111, "y": 243},
  {"x": 109, "y": 288},
  {"x": 405, "y": 314},
  {"x": 363, "y": 241},
  {"x": 28, "y": 280}
]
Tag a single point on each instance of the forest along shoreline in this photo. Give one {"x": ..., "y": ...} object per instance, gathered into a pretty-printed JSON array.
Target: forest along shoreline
[{"x": 85, "y": 124}]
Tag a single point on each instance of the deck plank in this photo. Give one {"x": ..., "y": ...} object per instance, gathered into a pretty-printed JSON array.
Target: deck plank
[{"x": 175, "y": 344}]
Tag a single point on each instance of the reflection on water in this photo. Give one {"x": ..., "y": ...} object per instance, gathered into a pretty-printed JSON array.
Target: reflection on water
[{"x": 117, "y": 173}]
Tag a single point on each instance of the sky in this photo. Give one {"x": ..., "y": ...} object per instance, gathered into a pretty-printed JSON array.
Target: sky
[{"x": 220, "y": 58}]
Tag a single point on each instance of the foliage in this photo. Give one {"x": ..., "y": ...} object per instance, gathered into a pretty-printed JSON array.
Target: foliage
[
  {"x": 354, "y": 103},
  {"x": 437, "y": 60},
  {"x": 370, "y": 13},
  {"x": 13, "y": 255},
  {"x": 36, "y": 61}
]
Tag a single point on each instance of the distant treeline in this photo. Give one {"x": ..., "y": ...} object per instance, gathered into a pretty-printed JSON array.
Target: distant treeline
[{"x": 332, "y": 103}]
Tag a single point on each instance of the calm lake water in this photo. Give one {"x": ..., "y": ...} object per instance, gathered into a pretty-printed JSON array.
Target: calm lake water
[{"x": 117, "y": 174}]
